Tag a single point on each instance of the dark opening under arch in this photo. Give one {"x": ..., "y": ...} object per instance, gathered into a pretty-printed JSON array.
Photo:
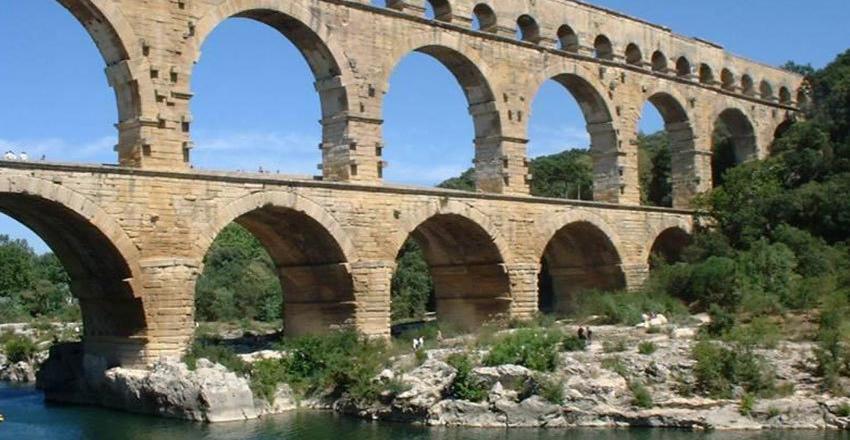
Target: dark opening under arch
[
  {"x": 668, "y": 247},
  {"x": 733, "y": 142}
]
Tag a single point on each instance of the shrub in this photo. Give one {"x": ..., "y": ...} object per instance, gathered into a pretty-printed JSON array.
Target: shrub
[
  {"x": 718, "y": 369},
  {"x": 19, "y": 349},
  {"x": 574, "y": 343},
  {"x": 640, "y": 395},
  {"x": 843, "y": 410},
  {"x": 266, "y": 374},
  {"x": 760, "y": 332},
  {"x": 552, "y": 391},
  {"x": 536, "y": 349},
  {"x": 214, "y": 352},
  {"x": 722, "y": 321},
  {"x": 647, "y": 347},
  {"x": 748, "y": 403},
  {"x": 463, "y": 386},
  {"x": 628, "y": 307}
]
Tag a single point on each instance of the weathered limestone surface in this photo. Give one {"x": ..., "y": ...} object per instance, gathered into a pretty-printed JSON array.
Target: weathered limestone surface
[{"x": 133, "y": 237}]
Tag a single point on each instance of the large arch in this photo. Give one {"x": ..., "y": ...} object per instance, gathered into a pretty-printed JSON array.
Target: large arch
[
  {"x": 733, "y": 142},
  {"x": 482, "y": 106},
  {"x": 467, "y": 267},
  {"x": 101, "y": 261},
  {"x": 677, "y": 124},
  {"x": 600, "y": 126},
  {"x": 310, "y": 250},
  {"x": 579, "y": 257},
  {"x": 667, "y": 246},
  {"x": 320, "y": 49}
]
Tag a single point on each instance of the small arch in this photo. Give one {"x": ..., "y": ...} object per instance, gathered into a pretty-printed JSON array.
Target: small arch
[
  {"x": 577, "y": 258},
  {"x": 602, "y": 48},
  {"x": 567, "y": 39},
  {"x": 528, "y": 29},
  {"x": 668, "y": 246},
  {"x": 633, "y": 55},
  {"x": 784, "y": 95},
  {"x": 706, "y": 75},
  {"x": 683, "y": 67},
  {"x": 766, "y": 90},
  {"x": 734, "y": 142},
  {"x": 802, "y": 97},
  {"x": 659, "y": 62},
  {"x": 310, "y": 249},
  {"x": 727, "y": 79},
  {"x": 470, "y": 284},
  {"x": 747, "y": 85},
  {"x": 680, "y": 134},
  {"x": 484, "y": 19},
  {"x": 782, "y": 128},
  {"x": 441, "y": 9}
]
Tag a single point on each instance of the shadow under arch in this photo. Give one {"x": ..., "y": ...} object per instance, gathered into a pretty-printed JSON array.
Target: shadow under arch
[
  {"x": 310, "y": 252},
  {"x": 297, "y": 24},
  {"x": 579, "y": 257},
  {"x": 668, "y": 246},
  {"x": 733, "y": 142},
  {"x": 98, "y": 257},
  {"x": 603, "y": 135},
  {"x": 471, "y": 285},
  {"x": 482, "y": 107},
  {"x": 680, "y": 132}
]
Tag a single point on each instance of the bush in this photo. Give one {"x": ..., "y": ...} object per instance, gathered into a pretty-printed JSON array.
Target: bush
[
  {"x": 760, "y": 332},
  {"x": 552, "y": 391},
  {"x": 748, "y": 403},
  {"x": 536, "y": 349},
  {"x": 722, "y": 321},
  {"x": 574, "y": 343},
  {"x": 266, "y": 374},
  {"x": 719, "y": 368},
  {"x": 843, "y": 410},
  {"x": 214, "y": 352},
  {"x": 640, "y": 395},
  {"x": 19, "y": 349},
  {"x": 463, "y": 387},
  {"x": 647, "y": 347},
  {"x": 628, "y": 307}
]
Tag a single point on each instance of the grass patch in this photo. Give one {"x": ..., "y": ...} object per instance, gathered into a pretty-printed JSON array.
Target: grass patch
[
  {"x": 615, "y": 345},
  {"x": 536, "y": 349},
  {"x": 552, "y": 390},
  {"x": 627, "y": 308},
  {"x": 19, "y": 349},
  {"x": 647, "y": 347},
  {"x": 616, "y": 365},
  {"x": 641, "y": 398},
  {"x": 574, "y": 343},
  {"x": 748, "y": 403},
  {"x": 216, "y": 352},
  {"x": 718, "y": 369}
]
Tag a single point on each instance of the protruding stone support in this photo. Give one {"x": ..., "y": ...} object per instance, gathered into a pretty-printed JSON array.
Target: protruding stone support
[
  {"x": 615, "y": 174},
  {"x": 168, "y": 292},
  {"x": 372, "y": 288},
  {"x": 470, "y": 295},
  {"x": 524, "y": 279},
  {"x": 501, "y": 165},
  {"x": 690, "y": 164}
]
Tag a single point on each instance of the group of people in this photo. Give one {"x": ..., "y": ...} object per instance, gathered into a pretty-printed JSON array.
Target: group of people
[
  {"x": 585, "y": 334},
  {"x": 418, "y": 343},
  {"x": 10, "y": 155}
]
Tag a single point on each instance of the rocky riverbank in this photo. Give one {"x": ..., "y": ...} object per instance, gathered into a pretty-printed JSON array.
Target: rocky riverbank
[{"x": 595, "y": 388}]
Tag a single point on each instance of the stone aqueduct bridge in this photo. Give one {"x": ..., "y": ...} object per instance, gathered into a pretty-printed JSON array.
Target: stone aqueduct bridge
[{"x": 133, "y": 237}]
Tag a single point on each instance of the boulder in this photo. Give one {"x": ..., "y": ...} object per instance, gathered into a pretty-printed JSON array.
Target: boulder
[
  {"x": 512, "y": 377},
  {"x": 465, "y": 413},
  {"x": 18, "y": 372},
  {"x": 428, "y": 383},
  {"x": 283, "y": 400}
]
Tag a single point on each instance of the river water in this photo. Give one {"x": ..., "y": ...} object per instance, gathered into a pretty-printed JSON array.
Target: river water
[{"x": 28, "y": 417}]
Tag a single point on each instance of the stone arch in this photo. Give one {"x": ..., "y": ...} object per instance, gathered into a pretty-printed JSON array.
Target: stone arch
[
  {"x": 680, "y": 132},
  {"x": 442, "y": 10},
  {"x": 683, "y": 67},
  {"x": 748, "y": 85},
  {"x": 602, "y": 48},
  {"x": 784, "y": 95},
  {"x": 783, "y": 127},
  {"x": 482, "y": 105},
  {"x": 659, "y": 62},
  {"x": 600, "y": 125},
  {"x": 633, "y": 55},
  {"x": 466, "y": 258},
  {"x": 667, "y": 245},
  {"x": 319, "y": 46},
  {"x": 567, "y": 39},
  {"x": 734, "y": 141},
  {"x": 766, "y": 90},
  {"x": 310, "y": 249},
  {"x": 100, "y": 258},
  {"x": 706, "y": 74},
  {"x": 580, "y": 255},
  {"x": 485, "y": 16},
  {"x": 528, "y": 28},
  {"x": 727, "y": 79},
  {"x": 118, "y": 45}
]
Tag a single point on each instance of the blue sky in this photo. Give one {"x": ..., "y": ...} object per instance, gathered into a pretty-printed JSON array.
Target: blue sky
[{"x": 254, "y": 92}]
